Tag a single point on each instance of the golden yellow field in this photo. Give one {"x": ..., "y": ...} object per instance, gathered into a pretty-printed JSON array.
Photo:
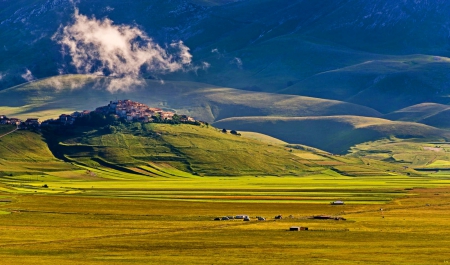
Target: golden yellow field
[{"x": 67, "y": 229}]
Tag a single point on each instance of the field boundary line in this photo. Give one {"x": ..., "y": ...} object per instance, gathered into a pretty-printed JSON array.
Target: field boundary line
[
  {"x": 17, "y": 128},
  {"x": 397, "y": 208},
  {"x": 169, "y": 230}
]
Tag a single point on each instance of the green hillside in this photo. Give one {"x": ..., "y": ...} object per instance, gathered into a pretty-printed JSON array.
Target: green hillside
[
  {"x": 26, "y": 153},
  {"x": 136, "y": 151},
  {"x": 335, "y": 133},
  {"x": 196, "y": 149},
  {"x": 431, "y": 157},
  {"x": 62, "y": 94}
]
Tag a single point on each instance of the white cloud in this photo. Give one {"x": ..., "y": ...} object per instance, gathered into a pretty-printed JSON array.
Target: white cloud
[
  {"x": 216, "y": 51},
  {"x": 28, "y": 76},
  {"x": 2, "y": 75},
  {"x": 99, "y": 47},
  {"x": 205, "y": 65},
  {"x": 237, "y": 61}
]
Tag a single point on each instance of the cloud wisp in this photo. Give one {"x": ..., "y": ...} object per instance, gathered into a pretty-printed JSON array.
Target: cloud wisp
[
  {"x": 237, "y": 61},
  {"x": 28, "y": 75},
  {"x": 121, "y": 51}
]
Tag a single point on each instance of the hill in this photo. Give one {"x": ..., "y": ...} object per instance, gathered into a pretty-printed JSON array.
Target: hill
[
  {"x": 27, "y": 153},
  {"x": 61, "y": 94},
  {"x": 427, "y": 113},
  {"x": 194, "y": 149},
  {"x": 140, "y": 151},
  {"x": 385, "y": 85},
  {"x": 335, "y": 134},
  {"x": 416, "y": 112},
  {"x": 432, "y": 114}
]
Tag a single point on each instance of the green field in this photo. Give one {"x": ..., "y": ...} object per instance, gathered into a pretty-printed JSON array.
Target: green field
[{"x": 102, "y": 220}]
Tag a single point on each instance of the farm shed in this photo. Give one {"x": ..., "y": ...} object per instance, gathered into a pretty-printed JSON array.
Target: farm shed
[
  {"x": 242, "y": 216},
  {"x": 298, "y": 228}
]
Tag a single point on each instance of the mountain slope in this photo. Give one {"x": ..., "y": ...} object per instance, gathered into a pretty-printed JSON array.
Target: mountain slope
[
  {"x": 334, "y": 134},
  {"x": 386, "y": 85},
  {"x": 432, "y": 114},
  {"x": 53, "y": 96}
]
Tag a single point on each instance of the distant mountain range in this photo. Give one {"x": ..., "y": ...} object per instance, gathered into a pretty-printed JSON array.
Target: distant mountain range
[{"x": 348, "y": 50}]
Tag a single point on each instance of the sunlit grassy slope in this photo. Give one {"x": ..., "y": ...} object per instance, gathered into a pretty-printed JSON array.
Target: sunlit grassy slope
[
  {"x": 194, "y": 149},
  {"x": 432, "y": 157},
  {"x": 24, "y": 152},
  {"x": 54, "y": 96},
  {"x": 433, "y": 114},
  {"x": 334, "y": 134},
  {"x": 262, "y": 137},
  {"x": 169, "y": 151}
]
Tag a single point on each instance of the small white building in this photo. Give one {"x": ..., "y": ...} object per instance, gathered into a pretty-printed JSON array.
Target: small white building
[{"x": 242, "y": 216}]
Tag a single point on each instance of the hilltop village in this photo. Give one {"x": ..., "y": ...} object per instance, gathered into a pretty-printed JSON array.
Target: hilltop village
[{"x": 124, "y": 110}]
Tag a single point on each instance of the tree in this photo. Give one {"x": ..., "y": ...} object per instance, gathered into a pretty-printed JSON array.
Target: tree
[
  {"x": 111, "y": 129},
  {"x": 176, "y": 119},
  {"x": 224, "y": 130}
]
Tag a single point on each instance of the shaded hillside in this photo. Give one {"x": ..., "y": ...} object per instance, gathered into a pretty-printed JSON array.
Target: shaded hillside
[
  {"x": 432, "y": 114},
  {"x": 417, "y": 112},
  {"x": 62, "y": 94},
  {"x": 385, "y": 85},
  {"x": 334, "y": 134}
]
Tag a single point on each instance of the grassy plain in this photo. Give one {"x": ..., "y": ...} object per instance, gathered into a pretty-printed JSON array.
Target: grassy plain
[{"x": 170, "y": 220}]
